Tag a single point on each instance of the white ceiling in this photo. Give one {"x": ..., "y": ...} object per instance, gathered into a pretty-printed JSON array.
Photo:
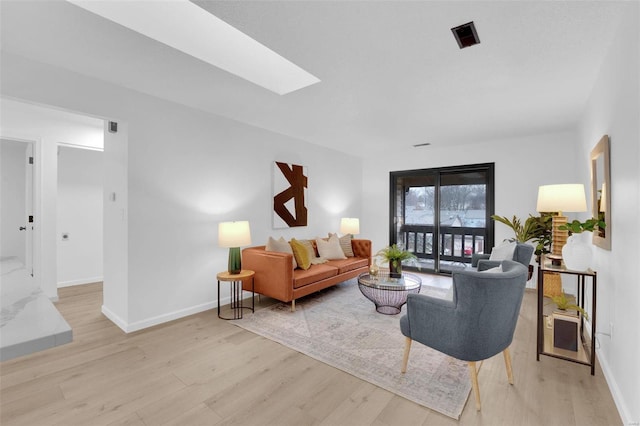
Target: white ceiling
[{"x": 391, "y": 72}]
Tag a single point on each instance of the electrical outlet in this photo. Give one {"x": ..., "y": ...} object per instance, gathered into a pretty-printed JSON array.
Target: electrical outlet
[{"x": 611, "y": 330}]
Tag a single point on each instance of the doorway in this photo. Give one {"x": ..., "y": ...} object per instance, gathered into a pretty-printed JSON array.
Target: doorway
[
  {"x": 79, "y": 215},
  {"x": 442, "y": 215},
  {"x": 17, "y": 194}
]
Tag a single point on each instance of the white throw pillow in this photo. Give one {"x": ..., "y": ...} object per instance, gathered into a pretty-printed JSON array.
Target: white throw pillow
[
  {"x": 281, "y": 246},
  {"x": 494, "y": 270},
  {"x": 345, "y": 243},
  {"x": 503, "y": 251},
  {"x": 330, "y": 249}
]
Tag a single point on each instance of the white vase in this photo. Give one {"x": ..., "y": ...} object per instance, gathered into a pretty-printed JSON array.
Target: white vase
[{"x": 577, "y": 253}]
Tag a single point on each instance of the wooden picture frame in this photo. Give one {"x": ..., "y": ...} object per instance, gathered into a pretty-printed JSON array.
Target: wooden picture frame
[{"x": 601, "y": 191}]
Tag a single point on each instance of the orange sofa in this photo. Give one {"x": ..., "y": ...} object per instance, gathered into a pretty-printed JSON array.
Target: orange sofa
[{"x": 274, "y": 276}]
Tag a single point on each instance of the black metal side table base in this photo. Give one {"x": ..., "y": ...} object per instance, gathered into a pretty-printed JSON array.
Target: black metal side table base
[{"x": 236, "y": 304}]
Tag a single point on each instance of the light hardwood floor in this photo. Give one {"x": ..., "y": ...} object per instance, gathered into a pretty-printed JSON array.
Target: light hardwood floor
[{"x": 201, "y": 370}]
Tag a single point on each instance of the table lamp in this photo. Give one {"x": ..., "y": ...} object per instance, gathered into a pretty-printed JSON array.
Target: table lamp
[
  {"x": 350, "y": 225},
  {"x": 234, "y": 235},
  {"x": 557, "y": 199}
]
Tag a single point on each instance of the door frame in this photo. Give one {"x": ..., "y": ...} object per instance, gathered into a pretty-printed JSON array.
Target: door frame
[
  {"x": 437, "y": 173},
  {"x": 34, "y": 242}
]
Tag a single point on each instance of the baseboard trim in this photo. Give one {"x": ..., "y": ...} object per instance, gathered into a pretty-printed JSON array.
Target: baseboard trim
[
  {"x": 81, "y": 281},
  {"x": 617, "y": 395},
  {"x": 170, "y": 316},
  {"x": 122, "y": 324},
  {"x": 161, "y": 319}
]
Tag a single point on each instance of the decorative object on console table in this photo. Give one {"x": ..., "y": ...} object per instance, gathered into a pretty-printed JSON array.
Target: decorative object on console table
[
  {"x": 565, "y": 331},
  {"x": 234, "y": 235},
  {"x": 350, "y": 225},
  {"x": 565, "y": 323},
  {"x": 560, "y": 198},
  {"x": 577, "y": 252},
  {"x": 395, "y": 255}
]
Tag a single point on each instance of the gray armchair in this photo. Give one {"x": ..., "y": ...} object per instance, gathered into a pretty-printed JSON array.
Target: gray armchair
[
  {"x": 521, "y": 254},
  {"x": 477, "y": 324}
]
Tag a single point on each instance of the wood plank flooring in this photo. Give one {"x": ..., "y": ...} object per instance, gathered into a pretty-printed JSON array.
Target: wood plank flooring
[{"x": 201, "y": 370}]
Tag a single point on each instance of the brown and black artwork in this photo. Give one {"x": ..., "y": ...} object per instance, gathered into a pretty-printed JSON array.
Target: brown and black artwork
[{"x": 289, "y": 187}]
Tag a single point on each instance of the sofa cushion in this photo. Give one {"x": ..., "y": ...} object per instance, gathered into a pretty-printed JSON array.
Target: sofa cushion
[
  {"x": 314, "y": 274},
  {"x": 308, "y": 244},
  {"x": 346, "y": 265},
  {"x": 345, "y": 244},
  {"x": 280, "y": 246},
  {"x": 330, "y": 249},
  {"x": 300, "y": 253}
]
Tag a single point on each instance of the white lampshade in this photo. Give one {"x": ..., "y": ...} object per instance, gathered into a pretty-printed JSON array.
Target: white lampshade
[
  {"x": 350, "y": 225},
  {"x": 562, "y": 198},
  {"x": 234, "y": 234}
]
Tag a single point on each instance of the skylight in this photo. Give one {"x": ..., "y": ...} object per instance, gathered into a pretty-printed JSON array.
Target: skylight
[{"x": 185, "y": 26}]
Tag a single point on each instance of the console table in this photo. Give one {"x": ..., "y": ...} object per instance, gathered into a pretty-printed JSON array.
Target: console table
[{"x": 586, "y": 353}]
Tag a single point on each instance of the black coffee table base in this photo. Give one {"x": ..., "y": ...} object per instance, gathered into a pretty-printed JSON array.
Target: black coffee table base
[{"x": 387, "y": 298}]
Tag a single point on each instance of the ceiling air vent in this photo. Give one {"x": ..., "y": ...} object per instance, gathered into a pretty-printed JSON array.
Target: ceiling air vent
[{"x": 466, "y": 35}]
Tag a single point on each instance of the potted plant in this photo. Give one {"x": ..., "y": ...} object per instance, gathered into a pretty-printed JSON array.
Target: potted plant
[
  {"x": 523, "y": 232},
  {"x": 565, "y": 324},
  {"x": 544, "y": 234},
  {"x": 564, "y": 303},
  {"x": 535, "y": 228},
  {"x": 395, "y": 255},
  {"x": 577, "y": 253},
  {"x": 577, "y": 227}
]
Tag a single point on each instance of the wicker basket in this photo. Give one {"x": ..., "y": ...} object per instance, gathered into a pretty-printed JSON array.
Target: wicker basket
[{"x": 552, "y": 285}]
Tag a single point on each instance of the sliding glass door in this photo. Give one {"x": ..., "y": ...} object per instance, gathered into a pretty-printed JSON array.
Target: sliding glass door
[{"x": 442, "y": 215}]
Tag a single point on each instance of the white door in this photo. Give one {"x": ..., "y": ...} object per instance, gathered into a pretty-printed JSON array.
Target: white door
[{"x": 16, "y": 200}]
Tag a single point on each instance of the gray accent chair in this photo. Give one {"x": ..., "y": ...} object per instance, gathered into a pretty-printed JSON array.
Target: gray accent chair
[
  {"x": 477, "y": 324},
  {"x": 522, "y": 254}
]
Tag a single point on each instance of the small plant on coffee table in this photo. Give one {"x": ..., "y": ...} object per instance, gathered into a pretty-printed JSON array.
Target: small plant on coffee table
[{"x": 395, "y": 255}]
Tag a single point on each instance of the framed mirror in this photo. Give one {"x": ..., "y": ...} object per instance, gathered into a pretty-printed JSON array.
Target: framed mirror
[{"x": 601, "y": 192}]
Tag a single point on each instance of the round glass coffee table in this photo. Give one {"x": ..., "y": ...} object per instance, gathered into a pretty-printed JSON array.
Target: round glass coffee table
[{"x": 388, "y": 294}]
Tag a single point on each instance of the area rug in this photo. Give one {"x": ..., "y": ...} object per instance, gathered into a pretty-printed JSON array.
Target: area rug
[{"x": 340, "y": 327}]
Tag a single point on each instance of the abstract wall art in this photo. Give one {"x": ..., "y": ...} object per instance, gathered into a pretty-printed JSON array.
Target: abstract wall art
[{"x": 289, "y": 195}]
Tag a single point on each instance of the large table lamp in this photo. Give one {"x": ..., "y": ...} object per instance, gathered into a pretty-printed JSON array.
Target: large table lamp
[
  {"x": 557, "y": 199},
  {"x": 350, "y": 225},
  {"x": 234, "y": 235}
]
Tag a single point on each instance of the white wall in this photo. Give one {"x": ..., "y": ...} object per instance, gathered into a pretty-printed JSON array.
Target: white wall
[
  {"x": 13, "y": 165},
  {"x": 614, "y": 109},
  {"x": 80, "y": 193},
  {"x": 187, "y": 171},
  {"x": 115, "y": 289}
]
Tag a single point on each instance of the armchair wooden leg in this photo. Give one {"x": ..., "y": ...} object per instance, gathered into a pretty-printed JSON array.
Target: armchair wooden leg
[
  {"x": 473, "y": 372},
  {"x": 293, "y": 305},
  {"x": 507, "y": 364},
  {"x": 405, "y": 359}
]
